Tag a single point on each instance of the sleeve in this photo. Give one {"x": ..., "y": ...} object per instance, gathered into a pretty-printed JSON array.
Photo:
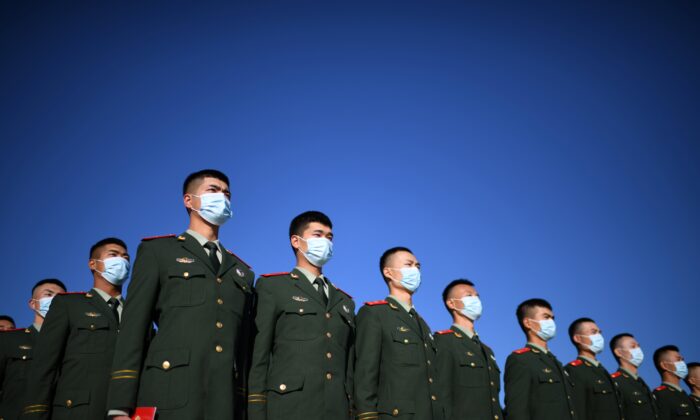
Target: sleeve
[
  {"x": 49, "y": 349},
  {"x": 518, "y": 381},
  {"x": 3, "y": 366},
  {"x": 578, "y": 392},
  {"x": 446, "y": 370},
  {"x": 265, "y": 320},
  {"x": 368, "y": 354},
  {"x": 350, "y": 370},
  {"x": 137, "y": 320},
  {"x": 243, "y": 357},
  {"x": 664, "y": 411}
]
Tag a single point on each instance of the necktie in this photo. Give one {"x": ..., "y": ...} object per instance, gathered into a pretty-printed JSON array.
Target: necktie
[
  {"x": 211, "y": 246},
  {"x": 114, "y": 304},
  {"x": 414, "y": 314},
  {"x": 319, "y": 283}
]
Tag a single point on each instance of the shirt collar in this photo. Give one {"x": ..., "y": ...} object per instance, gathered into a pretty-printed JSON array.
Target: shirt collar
[
  {"x": 37, "y": 327},
  {"x": 594, "y": 362},
  {"x": 105, "y": 296},
  {"x": 201, "y": 239},
  {"x": 676, "y": 387},
  {"x": 403, "y": 304},
  {"x": 542, "y": 349},
  {"x": 466, "y": 331},
  {"x": 628, "y": 372},
  {"x": 309, "y": 276}
]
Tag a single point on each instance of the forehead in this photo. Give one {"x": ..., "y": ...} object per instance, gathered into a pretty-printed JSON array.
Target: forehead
[
  {"x": 205, "y": 182},
  {"x": 540, "y": 310},
  {"x": 316, "y": 226},
  {"x": 462, "y": 289},
  {"x": 627, "y": 341},
  {"x": 401, "y": 257},
  {"x": 48, "y": 286},
  {"x": 112, "y": 247},
  {"x": 587, "y": 326}
]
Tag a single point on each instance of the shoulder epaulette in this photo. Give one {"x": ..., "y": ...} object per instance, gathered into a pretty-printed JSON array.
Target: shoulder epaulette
[
  {"x": 150, "y": 238},
  {"x": 376, "y": 302},
  {"x": 523, "y": 350},
  {"x": 661, "y": 388},
  {"x": 616, "y": 375},
  {"x": 577, "y": 362},
  {"x": 281, "y": 273},
  {"x": 12, "y": 329},
  {"x": 443, "y": 332},
  {"x": 344, "y": 292},
  {"x": 239, "y": 258},
  {"x": 72, "y": 293}
]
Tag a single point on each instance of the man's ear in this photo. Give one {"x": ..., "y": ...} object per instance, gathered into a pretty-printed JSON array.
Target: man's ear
[
  {"x": 30, "y": 303},
  {"x": 92, "y": 264},
  {"x": 577, "y": 339},
  {"x": 618, "y": 352},
  {"x": 294, "y": 241},
  {"x": 450, "y": 303},
  {"x": 187, "y": 200}
]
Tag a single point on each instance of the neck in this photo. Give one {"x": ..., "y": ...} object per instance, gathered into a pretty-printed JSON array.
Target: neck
[
  {"x": 105, "y": 286},
  {"x": 671, "y": 378},
  {"x": 38, "y": 319},
  {"x": 533, "y": 338},
  {"x": 695, "y": 391},
  {"x": 204, "y": 228},
  {"x": 629, "y": 367},
  {"x": 401, "y": 294},
  {"x": 306, "y": 265},
  {"x": 463, "y": 322},
  {"x": 586, "y": 353}
]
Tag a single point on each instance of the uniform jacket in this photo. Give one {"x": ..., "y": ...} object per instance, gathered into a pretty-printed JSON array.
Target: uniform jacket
[
  {"x": 674, "y": 404},
  {"x": 16, "y": 356},
  {"x": 596, "y": 395},
  {"x": 637, "y": 399}
]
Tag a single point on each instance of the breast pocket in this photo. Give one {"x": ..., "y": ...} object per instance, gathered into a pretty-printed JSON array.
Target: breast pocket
[
  {"x": 92, "y": 334},
  {"x": 472, "y": 371},
  {"x": 299, "y": 322},
  {"x": 184, "y": 286},
  {"x": 406, "y": 347}
]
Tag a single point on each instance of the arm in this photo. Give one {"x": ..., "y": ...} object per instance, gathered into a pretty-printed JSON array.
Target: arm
[
  {"x": 446, "y": 367},
  {"x": 368, "y": 355},
  {"x": 48, "y": 354},
  {"x": 517, "y": 388},
  {"x": 243, "y": 357},
  {"x": 134, "y": 332},
  {"x": 350, "y": 371},
  {"x": 265, "y": 320},
  {"x": 578, "y": 393}
]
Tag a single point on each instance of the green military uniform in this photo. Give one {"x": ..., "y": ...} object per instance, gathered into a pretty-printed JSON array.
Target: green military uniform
[
  {"x": 469, "y": 376},
  {"x": 696, "y": 401},
  {"x": 190, "y": 369},
  {"x": 395, "y": 367},
  {"x": 16, "y": 355},
  {"x": 674, "y": 403},
  {"x": 637, "y": 400},
  {"x": 303, "y": 353},
  {"x": 537, "y": 386},
  {"x": 595, "y": 393},
  {"x": 73, "y": 359}
]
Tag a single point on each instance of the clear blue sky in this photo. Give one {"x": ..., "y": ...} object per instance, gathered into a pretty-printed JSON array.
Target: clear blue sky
[{"x": 540, "y": 149}]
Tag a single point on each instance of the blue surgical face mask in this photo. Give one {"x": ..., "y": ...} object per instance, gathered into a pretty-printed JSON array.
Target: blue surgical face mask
[
  {"x": 681, "y": 369},
  {"x": 548, "y": 329},
  {"x": 44, "y": 304},
  {"x": 215, "y": 208},
  {"x": 597, "y": 343},
  {"x": 636, "y": 356},
  {"x": 411, "y": 278},
  {"x": 116, "y": 270},
  {"x": 472, "y": 307},
  {"x": 318, "y": 250}
]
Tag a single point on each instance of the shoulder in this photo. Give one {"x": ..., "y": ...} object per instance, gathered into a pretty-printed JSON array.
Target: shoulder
[
  {"x": 346, "y": 294},
  {"x": 575, "y": 363},
  {"x": 522, "y": 351},
  {"x": 663, "y": 389},
  {"x": 273, "y": 280},
  {"x": 228, "y": 251},
  {"x": 444, "y": 336},
  {"x": 616, "y": 375},
  {"x": 156, "y": 237},
  {"x": 373, "y": 308},
  {"x": 444, "y": 332}
]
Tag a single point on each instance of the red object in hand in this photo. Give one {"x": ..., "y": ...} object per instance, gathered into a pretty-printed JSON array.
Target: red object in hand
[{"x": 144, "y": 413}]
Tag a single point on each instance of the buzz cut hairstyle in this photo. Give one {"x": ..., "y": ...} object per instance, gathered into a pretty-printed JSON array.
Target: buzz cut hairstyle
[
  {"x": 575, "y": 327},
  {"x": 691, "y": 366},
  {"x": 615, "y": 343},
  {"x": 450, "y": 286},
  {"x": 387, "y": 254},
  {"x": 660, "y": 352},
  {"x": 526, "y": 307},
  {"x": 200, "y": 175},
  {"x": 57, "y": 282},
  {"x": 8, "y": 318},
  {"x": 106, "y": 241}
]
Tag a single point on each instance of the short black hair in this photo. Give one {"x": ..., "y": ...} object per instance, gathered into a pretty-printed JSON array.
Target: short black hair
[
  {"x": 387, "y": 254},
  {"x": 199, "y": 175},
  {"x": 525, "y": 307},
  {"x": 691, "y": 366},
  {"x": 448, "y": 289},
  {"x": 659, "y": 353},
  {"x": 615, "y": 341},
  {"x": 57, "y": 282},
  {"x": 575, "y": 326},
  {"x": 302, "y": 221},
  {"x": 106, "y": 241},
  {"x": 8, "y": 318}
]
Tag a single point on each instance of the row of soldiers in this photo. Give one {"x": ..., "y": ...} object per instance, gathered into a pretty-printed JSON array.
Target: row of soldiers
[{"x": 196, "y": 339}]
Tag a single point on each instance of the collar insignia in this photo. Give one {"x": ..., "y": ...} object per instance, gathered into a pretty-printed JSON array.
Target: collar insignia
[
  {"x": 345, "y": 308},
  {"x": 240, "y": 272}
]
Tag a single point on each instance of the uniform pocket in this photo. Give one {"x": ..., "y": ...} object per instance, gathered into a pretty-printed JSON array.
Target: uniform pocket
[
  {"x": 472, "y": 372},
  {"x": 284, "y": 384},
  {"x": 166, "y": 378},
  {"x": 602, "y": 388},
  {"x": 183, "y": 287},
  {"x": 397, "y": 408},
  {"x": 298, "y": 322},
  {"x": 406, "y": 347},
  {"x": 71, "y": 404},
  {"x": 91, "y": 334}
]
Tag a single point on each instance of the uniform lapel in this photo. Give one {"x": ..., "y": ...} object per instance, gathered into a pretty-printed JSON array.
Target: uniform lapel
[
  {"x": 98, "y": 303},
  {"x": 334, "y": 296},
  {"x": 301, "y": 282},
  {"x": 404, "y": 316},
  {"x": 194, "y": 248}
]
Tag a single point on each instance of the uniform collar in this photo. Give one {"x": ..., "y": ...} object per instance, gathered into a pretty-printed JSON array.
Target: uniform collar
[
  {"x": 628, "y": 372},
  {"x": 543, "y": 350},
  {"x": 594, "y": 362},
  {"x": 309, "y": 276},
  {"x": 403, "y": 304},
  {"x": 676, "y": 387},
  {"x": 105, "y": 296},
  {"x": 37, "y": 327},
  {"x": 465, "y": 331},
  {"x": 201, "y": 239}
]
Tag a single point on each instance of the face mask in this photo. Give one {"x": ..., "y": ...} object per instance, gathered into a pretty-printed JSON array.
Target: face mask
[
  {"x": 597, "y": 343},
  {"x": 116, "y": 270},
  {"x": 472, "y": 307},
  {"x": 215, "y": 208},
  {"x": 411, "y": 278},
  {"x": 548, "y": 329},
  {"x": 318, "y": 250},
  {"x": 681, "y": 369},
  {"x": 637, "y": 356},
  {"x": 44, "y": 304}
]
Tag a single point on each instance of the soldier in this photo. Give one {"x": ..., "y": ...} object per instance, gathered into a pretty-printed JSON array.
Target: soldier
[
  {"x": 467, "y": 367},
  {"x": 17, "y": 348},
  {"x": 199, "y": 296},
  {"x": 395, "y": 370},
  {"x": 693, "y": 382},
  {"x": 672, "y": 400},
  {"x": 537, "y": 386},
  {"x": 637, "y": 400},
  {"x": 595, "y": 394},
  {"x": 303, "y": 353},
  {"x": 6, "y": 323}
]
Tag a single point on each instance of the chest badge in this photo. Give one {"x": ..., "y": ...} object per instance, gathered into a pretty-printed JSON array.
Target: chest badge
[
  {"x": 404, "y": 329},
  {"x": 300, "y": 299},
  {"x": 547, "y": 370},
  {"x": 25, "y": 347},
  {"x": 185, "y": 260},
  {"x": 240, "y": 272},
  {"x": 470, "y": 353},
  {"x": 93, "y": 314}
]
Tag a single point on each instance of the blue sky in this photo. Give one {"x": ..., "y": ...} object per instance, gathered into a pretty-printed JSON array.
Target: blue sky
[{"x": 542, "y": 150}]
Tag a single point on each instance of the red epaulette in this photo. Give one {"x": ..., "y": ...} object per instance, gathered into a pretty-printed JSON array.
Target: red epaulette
[
  {"x": 344, "y": 292},
  {"x": 72, "y": 293},
  {"x": 281, "y": 273},
  {"x": 149, "y": 238},
  {"x": 239, "y": 258},
  {"x": 577, "y": 362},
  {"x": 377, "y": 302},
  {"x": 443, "y": 332},
  {"x": 661, "y": 388},
  {"x": 616, "y": 375},
  {"x": 12, "y": 329},
  {"x": 523, "y": 350}
]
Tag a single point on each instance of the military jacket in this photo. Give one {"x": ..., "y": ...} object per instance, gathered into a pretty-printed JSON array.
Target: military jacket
[
  {"x": 469, "y": 376},
  {"x": 303, "y": 352},
  {"x": 537, "y": 387},
  {"x": 395, "y": 368},
  {"x": 190, "y": 370},
  {"x": 674, "y": 404},
  {"x": 637, "y": 400},
  {"x": 16, "y": 357},
  {"x": 596, "y": 395}
]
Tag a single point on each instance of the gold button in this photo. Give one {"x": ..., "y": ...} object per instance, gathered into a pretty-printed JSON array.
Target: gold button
[
  {"x": 572, "y": 412},
  {"x": 639, "y": 401},
  {"x": 493, "y": 399},
  {"x": 428, "y": 362},
  {"x": 69, "y": 403},
  {"x": 218, "y": 280},
  {"x": 329, "y": 335},
  {"x": 550, "y": 381},
  {"x": 328, "y": 315},
  {"x": 283, "y": 387},
  {"x": 495, "y": 416},
  {"x": 219, "y": 349},
  {"x": 395, "y": 412},
  {"x": 430, "y": 380},
  {"x": 301, "y": 310},
  {"x": 166, "y": 365},
  {"x": 185, "y": 274},
  {"x": 489, "y": 367},
  {"x": 220, "y": 301},
  {"x": 605, "y": 392},
  {"x": 492, "y": 384},
  {"x": 329, "y": 355},
  {"x": 92, "y": 326},
  {"x": 329, "y": 376},
  {"x": 405, "y": 340},
  {"x": 23, "y": 358},
  {"x": 219, "y": 324},
  {"x": 472, "y": 364},
  {"x": 433, "y": 397}
]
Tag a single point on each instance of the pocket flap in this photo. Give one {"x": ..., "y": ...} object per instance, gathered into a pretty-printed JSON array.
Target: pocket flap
[
  {"x": 548, "y": 378},
  {"x": 99, "y": 322},
  {"x": 404, "y": 337},
  {"x": 396, "y": 407},
  {"x": 300, "y": 308},
  {"x": 283, "y": 384},
  {"x": 169, "y": 359},
  {"x": 185, "y": 271},
  {"x": 602, "y": 388},
  {"x": 72, "y": 398},
  {"x": 472, "y": 362}
]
